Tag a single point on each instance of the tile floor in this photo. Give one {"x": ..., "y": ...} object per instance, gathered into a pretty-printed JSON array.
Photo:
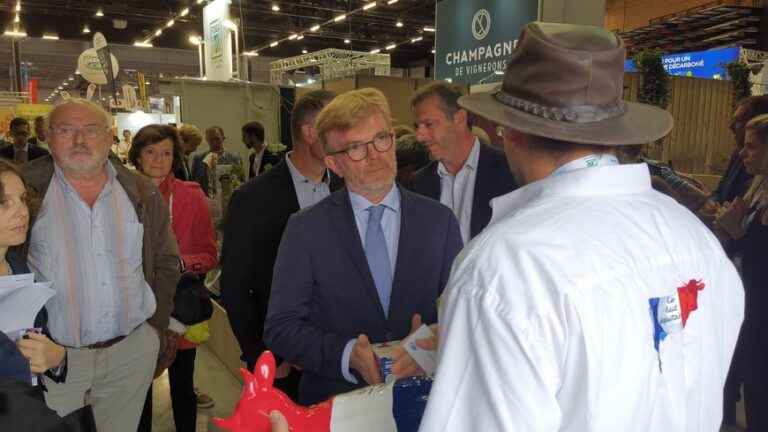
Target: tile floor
[{"x": 210, "y": 377}]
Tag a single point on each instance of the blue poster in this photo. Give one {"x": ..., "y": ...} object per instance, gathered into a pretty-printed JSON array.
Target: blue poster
[{"x": 700, "y": 64}]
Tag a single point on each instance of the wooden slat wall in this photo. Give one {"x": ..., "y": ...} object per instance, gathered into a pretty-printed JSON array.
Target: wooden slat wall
[{"x": 700, "y": 142}]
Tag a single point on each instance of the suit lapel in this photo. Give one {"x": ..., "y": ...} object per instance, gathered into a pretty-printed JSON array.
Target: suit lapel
[
  {"x": 284, "y": 180},
  {"x": 346, "y": 228},
  {"x": 432, "y": 182},
  {"x": 481, "y": 208}
]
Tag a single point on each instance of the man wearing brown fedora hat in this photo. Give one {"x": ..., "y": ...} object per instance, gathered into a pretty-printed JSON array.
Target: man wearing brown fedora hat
[{"x": 590, "y": 302}]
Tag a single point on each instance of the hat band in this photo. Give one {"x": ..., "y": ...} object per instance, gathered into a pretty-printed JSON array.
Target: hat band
[{"x": 576, "y": 114}]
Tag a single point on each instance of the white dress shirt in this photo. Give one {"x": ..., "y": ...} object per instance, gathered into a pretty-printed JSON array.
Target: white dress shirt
[
  {"x": 546, "y": 323},
  {"x": 458, "y": 192}
]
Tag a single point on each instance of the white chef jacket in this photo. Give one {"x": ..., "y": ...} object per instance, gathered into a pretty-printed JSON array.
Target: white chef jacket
[{"x": 546, "y": 323}]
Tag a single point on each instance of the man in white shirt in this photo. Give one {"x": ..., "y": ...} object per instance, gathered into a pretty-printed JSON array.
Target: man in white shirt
[
  {"x": 590, "y": 302},
  {"x": 464, "y": 174}
]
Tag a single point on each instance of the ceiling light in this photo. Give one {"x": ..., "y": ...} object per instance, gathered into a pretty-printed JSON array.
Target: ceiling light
[
  {"x": 65, "y": 84},
  {"x": 346, "y": 41},
  {"x": 450, "y": 80},
  {"x": 251, "y": 53},
  {"x": 17, "y": 19},
  {"x": 417, "y": 39},
  {"x": 77, "y": 72},
  {"x": 370, "y": 5},
  {"x": 293, "y": 36},
  {"x": 399, "y": 23},
  {"x": 276, "y": 8},
  {"x": 170, "y": 23},
  {"x": 18, "y": 7},
  {"x": 71, "y": 78},
  {"x": 144, "y": 44},
  {"x": 300, "y": 37},
  {"x": 86, "y": 30},
  {"x": 274, "y": 44},
  {"x": 304, "y": 51},
  {"x": 200, "y": 1},
  {"x": 99, "y": 13},
  {"x": 340, "y": 18},
  {"x": 60, "y": 88},
  {"x": 15, "y": 33},
  {"x": 310, "y": 81},
  {"x": 390, "y": 47},
  {"x": 375, "y": 51},
  {"x": 194, "y": 39},
  {"x": 159, "y": 32},
  {"x": 230, "y": 25},
  {"x": 315, "y": 28},
  {"x": 433, "y": 51},
  {"x": 429, "y": 29},
  {"x": 391, "y": 2},
  {"x": 50, "y": 37},
  {"x": 184, "y": 12}
]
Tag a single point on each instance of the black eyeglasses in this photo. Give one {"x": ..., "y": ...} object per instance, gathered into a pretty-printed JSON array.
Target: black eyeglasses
[{"x": 357, "y": 152}]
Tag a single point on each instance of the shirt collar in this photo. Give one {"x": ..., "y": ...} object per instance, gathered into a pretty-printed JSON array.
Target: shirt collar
[
  {"x": 470, "y": 163},
  {"x": 299, "y": 177},
  {"x": 601, "y": 180},
  {"x": 111, "y": 177},
  {"x": 390, "y": 201}
]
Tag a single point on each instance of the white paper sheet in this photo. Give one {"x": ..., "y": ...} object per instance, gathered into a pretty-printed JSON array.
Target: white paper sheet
[{"x": 21, "y": 299}]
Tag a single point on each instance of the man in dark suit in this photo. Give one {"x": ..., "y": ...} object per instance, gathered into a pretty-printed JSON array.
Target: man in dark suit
[
  {"x": 19, "y": 150},
  {"x": 257, "y": 215},
  {"x": 261, "y": 159},
  {"x": 464, "y": 174},
  {"x": 359, "y": 266}
]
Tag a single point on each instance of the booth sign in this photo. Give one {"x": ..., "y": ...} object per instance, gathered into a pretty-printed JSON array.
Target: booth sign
[
  {"x": 218, "y": 43},
  {"x": 475, "y": 38},
  {"x": 699, "y": 64}
]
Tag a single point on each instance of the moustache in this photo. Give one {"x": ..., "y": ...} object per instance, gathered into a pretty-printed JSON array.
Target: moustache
[{"x": 79, "y": 148}]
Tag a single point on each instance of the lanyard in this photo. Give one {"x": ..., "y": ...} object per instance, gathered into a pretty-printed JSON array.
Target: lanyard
[{"x": 589, "y": 161}]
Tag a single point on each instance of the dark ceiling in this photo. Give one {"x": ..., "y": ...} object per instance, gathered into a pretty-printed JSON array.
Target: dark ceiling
[{"x": 366, "y": 30}]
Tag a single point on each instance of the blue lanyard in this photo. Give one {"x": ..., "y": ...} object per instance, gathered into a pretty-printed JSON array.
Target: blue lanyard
[{"x": 590, "y": 161}]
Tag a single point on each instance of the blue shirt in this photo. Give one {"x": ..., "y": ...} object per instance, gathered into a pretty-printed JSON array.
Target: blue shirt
[
  {"x": 390, "y": 224},
  {"x": 307, "y": 192},
  {"x": 92, "y": 256}
]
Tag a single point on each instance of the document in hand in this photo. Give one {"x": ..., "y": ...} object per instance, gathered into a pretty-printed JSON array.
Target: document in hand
[{"x": 21, "y": 299}]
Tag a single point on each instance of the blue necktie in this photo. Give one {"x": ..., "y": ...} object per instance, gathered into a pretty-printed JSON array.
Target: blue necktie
[{"x": 378, "y": 257}]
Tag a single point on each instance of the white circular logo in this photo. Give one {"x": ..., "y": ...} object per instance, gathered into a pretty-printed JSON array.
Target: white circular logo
[{"x": 481, "y": 24}]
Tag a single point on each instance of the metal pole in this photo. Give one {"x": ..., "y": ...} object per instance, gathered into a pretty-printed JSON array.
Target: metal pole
[
  {"x": 200, "y": 57},
  {"x": 16, "y": 65}
]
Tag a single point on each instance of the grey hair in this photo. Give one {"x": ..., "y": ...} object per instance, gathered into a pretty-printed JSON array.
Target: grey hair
[{"x": 82, "y": 102}]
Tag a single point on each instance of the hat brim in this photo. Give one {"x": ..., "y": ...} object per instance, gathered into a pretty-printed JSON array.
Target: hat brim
[{"x": 640, "y": 124}]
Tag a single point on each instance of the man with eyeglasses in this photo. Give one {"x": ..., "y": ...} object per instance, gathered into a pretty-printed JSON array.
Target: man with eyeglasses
[
  {"x": 362, "y": 266},
  {"x": 103, "y": 240},
  {"x": 19, "y": 149}
]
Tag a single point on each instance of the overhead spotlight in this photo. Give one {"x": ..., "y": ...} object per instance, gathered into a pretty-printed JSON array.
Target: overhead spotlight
[
  {"x": 347, "y": 41},
  {"x": 399, "y": 23},
  {"x": 375, "y": 51},
  {"x": 370, "y": 5},
  {"x": 144, "y": 44},
  {"x": 77, "y": 72},
  {"x": 340, "y": 18},
  {"x": 170, "y": 23},
  {"x": 158, "y": 32},
  {"x": 433, "y": 51},
  {"x": 390, "y": 47},
  {"x": 300, "y": 37},
  {"x": 251, "y": 53},
  {"x": 184, "y": 12},
  {"x": 304, "y": 51},
  {"x": 429, "y": 29},
  {"x": 416, "y": 39},
  {"x": 99, "y": 13},
  {"x": 200, "y": 1},
  {"x": 391, "y": 2},
  {"x": 15, "y": 33},
  {"x": 315, "y": 28},
  {"x": 17, "y": 19},
  {"x": 65, "y": 84},
  {"x": 274, "y": 44},
  {"x": 71, "y": 78},
  {"x": 293, "y": 36},
  {"x": 275, "y": 7},
  {"x": 86, "y": 30},
  {"x": 50, "y": 37},
  {"x": 60, "y": 88},
  {"x": 194, "y": 39},
  {"x": 310, "y": 81}
]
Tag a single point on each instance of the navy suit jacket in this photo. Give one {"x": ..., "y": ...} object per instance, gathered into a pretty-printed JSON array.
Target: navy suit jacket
[
  {"x": 323, "y": 293},
  {"x": 493, "y": 179}
]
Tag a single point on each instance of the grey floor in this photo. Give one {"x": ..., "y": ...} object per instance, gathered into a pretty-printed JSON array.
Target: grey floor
[{"x": 211, "y": 377}]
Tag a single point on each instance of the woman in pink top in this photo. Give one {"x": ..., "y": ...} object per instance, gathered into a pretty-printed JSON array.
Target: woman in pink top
[{"x": 156, "y": 151}]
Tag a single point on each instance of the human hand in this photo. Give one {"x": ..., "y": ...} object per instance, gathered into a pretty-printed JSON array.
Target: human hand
[
  {"x": 42, "y": 353},
  {"x": 403, "y": 365},
  {"x": 364, "y": 361},
  {"x": 278, "y": 422},
  {"x": 730, "y": 217}
]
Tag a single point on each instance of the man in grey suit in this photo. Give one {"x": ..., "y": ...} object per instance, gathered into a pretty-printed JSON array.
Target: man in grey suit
[{"x": 360, "y": 266}]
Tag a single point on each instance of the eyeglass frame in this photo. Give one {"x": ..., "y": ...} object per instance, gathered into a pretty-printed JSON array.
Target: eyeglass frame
[
  {"x": 364, "y": 146},
  {"x": 97, "y": 131}
]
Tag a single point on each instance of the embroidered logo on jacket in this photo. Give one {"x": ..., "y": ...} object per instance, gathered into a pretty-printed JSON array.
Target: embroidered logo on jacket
[{"x": 670, "y": 313}]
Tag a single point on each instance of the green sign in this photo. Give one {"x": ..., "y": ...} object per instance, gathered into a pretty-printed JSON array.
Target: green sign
[{"x": 475, "y": 38}]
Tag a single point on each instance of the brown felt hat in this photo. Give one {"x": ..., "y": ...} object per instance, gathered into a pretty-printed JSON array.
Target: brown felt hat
[{"x": 566, "y": 82}]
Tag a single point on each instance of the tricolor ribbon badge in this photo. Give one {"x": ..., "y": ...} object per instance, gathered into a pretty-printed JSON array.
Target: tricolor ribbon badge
[{"x": 670, "y": 313}]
